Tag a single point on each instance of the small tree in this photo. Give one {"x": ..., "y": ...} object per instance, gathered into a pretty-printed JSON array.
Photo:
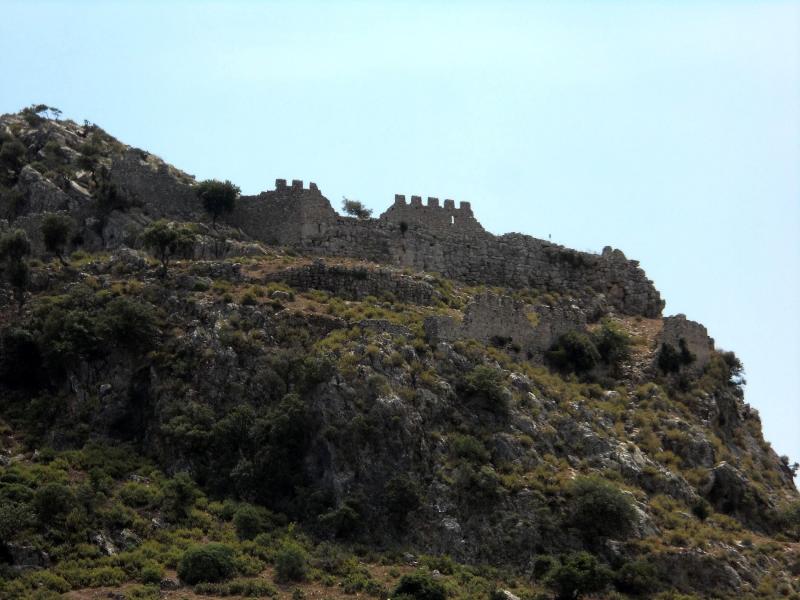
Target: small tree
[
  {"x": 15, "y": 247},
  {"x": 18, "y": 274},
  {"x": 218, "y": 197},
  {"x": 165, "y": 240},
  {"x": 55, "y": 230},
  {"x": 356, "y": 209}
]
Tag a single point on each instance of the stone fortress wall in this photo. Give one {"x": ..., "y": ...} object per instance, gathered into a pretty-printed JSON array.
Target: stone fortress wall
[
  {"x": 490, "y": 317},
  {"x": 695, "y": 335},
  {"x": 447, "y": 239}
]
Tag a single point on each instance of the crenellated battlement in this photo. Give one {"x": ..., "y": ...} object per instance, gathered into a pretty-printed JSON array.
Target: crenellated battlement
[
  {"x": 296, "y": 186},
  {"x": 432, "y": 215},
  {"x": 433, "y": 202}
]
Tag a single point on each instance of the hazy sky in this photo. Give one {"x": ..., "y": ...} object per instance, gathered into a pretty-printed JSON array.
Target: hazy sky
[{"x": 668, "y": 129}]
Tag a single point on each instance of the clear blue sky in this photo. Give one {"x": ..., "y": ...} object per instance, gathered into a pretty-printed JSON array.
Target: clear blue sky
[{"x": 668, "y": 129}]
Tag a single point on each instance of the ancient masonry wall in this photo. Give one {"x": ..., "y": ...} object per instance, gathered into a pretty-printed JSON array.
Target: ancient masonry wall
[
  {"x": 492, "y": 317},
  {"x": 677, "y": 328},
  {"x": 444, "y": 239}
]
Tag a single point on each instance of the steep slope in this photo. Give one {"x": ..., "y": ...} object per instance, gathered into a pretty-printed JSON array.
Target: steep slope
[{"x": 426, "y": 422}]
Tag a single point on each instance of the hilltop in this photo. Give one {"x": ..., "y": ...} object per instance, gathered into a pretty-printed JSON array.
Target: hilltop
[{"x": 355, "y": 405}]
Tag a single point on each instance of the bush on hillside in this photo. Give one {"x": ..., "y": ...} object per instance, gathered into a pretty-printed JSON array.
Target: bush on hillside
[
  {"x": 180, "y": 494},
  {"x": 599, "y": 510},
  {"x": 419, "y": 586},
  {"x": 578, "y": 574},
  {"x": 20, "y": 359},
  {"x": 208, "y": 563},
  {"x": 52, "y": 502},
  {"x": 402, "y": 497},
  {"x": 573, "y": 352},
  {"x": 637, "y": 577},
  {"x": 612, "y": 343},
  {"x": 251, "y": 520},
  {"x": 670, "y": 359},
  {"x": 291, "y": 562},
  {"x": 484, "y": 387}
]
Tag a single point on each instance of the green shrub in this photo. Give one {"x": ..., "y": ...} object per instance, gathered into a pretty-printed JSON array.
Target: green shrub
[
  {"x": 15, "y": 517},
  {"x": 291, "y": 562},
  {"x": 612, "y": 343},
  {"x": 542, "y": 565},
  {"x": 180, "y": 494},
  {"x": 401, "y": 497},
  {"x": 342, "y": 521},
  {"x": 248, "y": 588},
  {"x": 470, "y": 448},
  {"x": 637, "y": 577},
  {"x": 39, "y": 579},
  {"x": 52, "y": 502},
  {"x": 14, "y": 245},
  {"x": 20, "y": 359},
  {"x": 419, "y": 586},
  {"x": 578, "y": 574},
  {"x": 12, "y": 154},
  {"x": 478, "y": 485},
  {"x": 209, "y": 563},
  {"x": 361, "y": 581},
  {"x": 598, "y": 509},
  {"x": 130, "y": 323},
  {"x": 105, "y": 576},
  {"x": 151, "y": 572},
  {"x": 250, "y": 520},
  {"x": 670, "y": 359},
  {"x": 55, "y": 231},
  {"x": 138, "y": 495},
  {"x": 484, "y": 386},
  {"x": 701, "y": 509},
  {"x": 573, "y": 352},
  {"x": 787, "y": 519}
]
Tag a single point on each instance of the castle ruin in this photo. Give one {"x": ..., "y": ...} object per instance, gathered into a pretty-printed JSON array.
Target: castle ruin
[{"x": 446, "y": 239}]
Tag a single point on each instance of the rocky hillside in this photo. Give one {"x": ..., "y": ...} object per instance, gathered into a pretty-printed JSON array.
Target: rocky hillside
[{"x": 248, "y": 419}]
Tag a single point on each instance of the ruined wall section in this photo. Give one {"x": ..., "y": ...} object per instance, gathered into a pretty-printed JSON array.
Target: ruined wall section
[
  {"x": 491, "y": 317},
  {"x": 157, "y": 188},
  {"x": 285, "y": 216},
  {"x": 677, "y": 328}
]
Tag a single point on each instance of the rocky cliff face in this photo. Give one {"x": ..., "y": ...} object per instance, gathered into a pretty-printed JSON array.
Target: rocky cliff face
[{"x": 375, "y": 405}]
